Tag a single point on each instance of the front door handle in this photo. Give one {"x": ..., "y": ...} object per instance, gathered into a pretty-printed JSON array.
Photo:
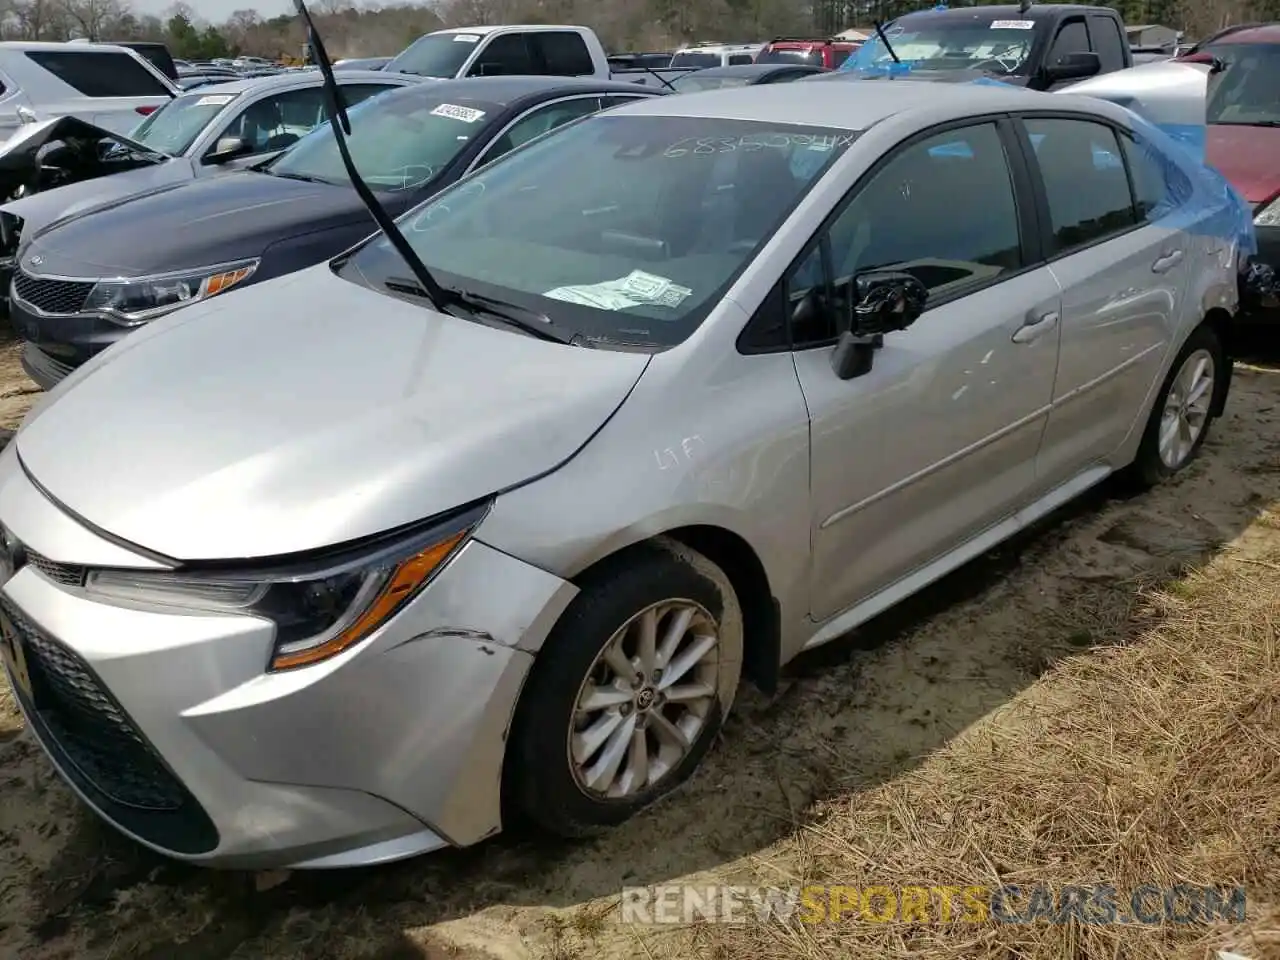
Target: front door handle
[
  {"x": 1035, "y": 328},
  {"x": 1167, "y": 262}
]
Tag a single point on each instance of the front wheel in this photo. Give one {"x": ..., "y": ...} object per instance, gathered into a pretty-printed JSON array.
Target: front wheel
[
  {"x": 1182, "y": 414},
  {"x": 628, "y": 691}
]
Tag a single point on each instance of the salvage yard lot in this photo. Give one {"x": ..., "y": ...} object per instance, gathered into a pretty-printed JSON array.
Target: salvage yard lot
[{"x": 1099, "y": 702}]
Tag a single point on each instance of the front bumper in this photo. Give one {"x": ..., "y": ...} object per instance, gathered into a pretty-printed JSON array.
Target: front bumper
[
  {"x": 57, "y": 344},
  {"x": 167, "y": 725},
  {"x": 1264, "y": 310}
]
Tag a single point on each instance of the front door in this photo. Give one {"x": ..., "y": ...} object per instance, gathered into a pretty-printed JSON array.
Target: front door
[{"x": 939, "y": 440}]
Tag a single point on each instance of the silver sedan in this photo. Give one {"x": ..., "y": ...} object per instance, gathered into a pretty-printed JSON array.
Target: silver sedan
[{"x": 328, "y": 572}]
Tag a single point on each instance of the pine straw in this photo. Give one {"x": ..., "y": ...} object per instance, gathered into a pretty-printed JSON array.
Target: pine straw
[{"x": 1153, "y": 761}]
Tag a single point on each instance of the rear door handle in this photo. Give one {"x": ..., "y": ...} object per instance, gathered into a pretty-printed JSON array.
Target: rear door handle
[
  {"x": 1035, "y": 327},
  {"x": 1167, "y": 262}
]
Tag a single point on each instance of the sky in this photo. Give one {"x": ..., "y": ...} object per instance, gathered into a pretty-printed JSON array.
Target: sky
[{"x": 216, "y": 11}]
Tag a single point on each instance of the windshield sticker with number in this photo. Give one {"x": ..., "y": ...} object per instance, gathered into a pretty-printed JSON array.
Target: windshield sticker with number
[
  {"x": 455, "y": 112},
  {"x": 465, "y": 38},
  {"x": 636, "y": 289},
  {"x": 215, "y": 100},
  {"x": 1013, "y": 24},
  {"x": 705, "y": 146}
]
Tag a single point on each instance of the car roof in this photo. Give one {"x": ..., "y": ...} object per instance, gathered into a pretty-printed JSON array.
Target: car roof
[
  {"x": 1266, "y": 33},
  {"x": 1037, "y": 11},
  {"x": 272, "y": 81},
  {"x": 507, "y": 90},
  {"x": 846, "y": 106},
  {"x": 752, "y": 69}
]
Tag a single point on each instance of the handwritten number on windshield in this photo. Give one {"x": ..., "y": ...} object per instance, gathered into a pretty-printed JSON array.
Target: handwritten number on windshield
[{"x": 707, "y": 146}]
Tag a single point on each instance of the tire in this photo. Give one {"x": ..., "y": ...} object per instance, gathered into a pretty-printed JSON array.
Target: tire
[
  {"x": 577, "y": 799},
  {"x": 1152, "y": 466}
]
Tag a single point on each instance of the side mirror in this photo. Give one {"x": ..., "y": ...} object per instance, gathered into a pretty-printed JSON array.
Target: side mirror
[
  {"x": 1073, "y": 66},
  {"x": 880, "y": 303},
  {"x": 227, "y": 148}
]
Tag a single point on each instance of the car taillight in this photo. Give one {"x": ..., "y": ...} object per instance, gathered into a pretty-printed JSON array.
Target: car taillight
[{"x": 145, "y": 111}]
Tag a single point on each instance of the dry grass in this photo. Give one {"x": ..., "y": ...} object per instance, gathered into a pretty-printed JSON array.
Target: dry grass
[{"x": 1151, "y": 761}]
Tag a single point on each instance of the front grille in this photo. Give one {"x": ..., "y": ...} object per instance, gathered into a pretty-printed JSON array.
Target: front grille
[
  {"x": 90, "y": 727},
  {"x": 67, "y": 574},
  {"x": 52, "y": 296}
]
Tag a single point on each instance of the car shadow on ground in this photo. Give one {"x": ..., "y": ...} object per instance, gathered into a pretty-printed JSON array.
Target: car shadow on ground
[{"x": 876, "y": 703}]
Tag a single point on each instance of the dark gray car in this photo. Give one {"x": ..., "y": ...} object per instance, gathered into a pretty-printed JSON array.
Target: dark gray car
[{"x": 84, "y": 282}]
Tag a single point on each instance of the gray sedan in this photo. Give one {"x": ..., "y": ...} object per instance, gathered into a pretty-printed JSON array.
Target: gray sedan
[{"x": 337, "y": 569}]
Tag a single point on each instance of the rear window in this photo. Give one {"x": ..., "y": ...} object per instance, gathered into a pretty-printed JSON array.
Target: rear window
[
  {"x": 697, "y": 60},
  {"x": 99, "y": 73},
  {"x": 812, "y": 57}
]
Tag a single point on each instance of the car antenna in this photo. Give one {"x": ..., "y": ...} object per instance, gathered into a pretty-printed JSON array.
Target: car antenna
[
  {"x": 885, "y": 41},
  {"x": 340, "y": 123}
]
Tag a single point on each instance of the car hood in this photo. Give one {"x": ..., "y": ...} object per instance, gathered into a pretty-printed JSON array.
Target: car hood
[
  {"x": 41, "y": 209},
  {"x": 306, "y": 412},
  {"x": 1249, "y": 157},
  {"x": 193, "y": 224}
]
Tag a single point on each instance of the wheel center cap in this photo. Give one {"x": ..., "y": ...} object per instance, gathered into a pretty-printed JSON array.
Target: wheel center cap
[{"x": 644, "y": 699}]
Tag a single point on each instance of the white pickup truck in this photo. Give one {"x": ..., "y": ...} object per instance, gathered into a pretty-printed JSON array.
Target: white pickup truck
[{"x": 517, "y": 49}]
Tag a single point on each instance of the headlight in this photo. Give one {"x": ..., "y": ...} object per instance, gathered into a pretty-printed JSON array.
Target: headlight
[
  {"x": 1268, "y": 214},
  {"x": 319, "y": 608},
  {"x": 143, "y": 299}
]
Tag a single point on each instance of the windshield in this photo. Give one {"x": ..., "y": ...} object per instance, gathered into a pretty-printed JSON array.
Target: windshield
[
  {"x": 627, "y": 229},
  {"x": 951, "y": 43},
  {"x": 398, "y": 141},
  {"x": 812, "y": 57},
  {"x": 698, "y": 60},
  {"x": 1248, "y": 91},
  {"x": 696, "y": 81},
  {"x": 175, "y": 126},
  {"x": 435, "y": 55}
]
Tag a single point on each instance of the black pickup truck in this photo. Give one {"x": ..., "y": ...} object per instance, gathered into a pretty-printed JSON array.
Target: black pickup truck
[{"x": 1040, "y": 46}]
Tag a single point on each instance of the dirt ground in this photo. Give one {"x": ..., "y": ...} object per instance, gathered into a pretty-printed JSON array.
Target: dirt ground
[{"x": 877, "y": 755}]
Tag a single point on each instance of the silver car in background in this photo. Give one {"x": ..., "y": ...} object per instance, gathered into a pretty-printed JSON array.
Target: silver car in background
[
  {"x": 218, "y": 127},
  {"x": 355, "y": 574}
]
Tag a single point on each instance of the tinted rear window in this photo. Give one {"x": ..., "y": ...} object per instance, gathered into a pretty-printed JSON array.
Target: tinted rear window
[
  {"x": 97, "y": 73},
  {"x": 812, "y": 58},
  {"x": 698, "y": 60}
]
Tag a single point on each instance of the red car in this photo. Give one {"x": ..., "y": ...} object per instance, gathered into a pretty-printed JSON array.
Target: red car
[
  {"x": 828, "y": 54},
  {"x": 1243, "y": 114}
]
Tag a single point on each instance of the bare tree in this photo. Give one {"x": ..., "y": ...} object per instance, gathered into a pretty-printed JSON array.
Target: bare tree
[{"x": 90, "y": 17}]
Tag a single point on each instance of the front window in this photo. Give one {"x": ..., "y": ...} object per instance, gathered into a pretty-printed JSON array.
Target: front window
[
  {"x": 698, "y": 81},
  {"x": 175, "y": 126},
  {"x": 1248, "y": 92},
  {"x": 952, "y": 43},
  {"x": 626, "y": 229},
  {"x": 696, "y": 60},
  {"x": 810, "y": 57},
  {"x": 399, "y": 141},
  {"x": 435, "y": 55}
]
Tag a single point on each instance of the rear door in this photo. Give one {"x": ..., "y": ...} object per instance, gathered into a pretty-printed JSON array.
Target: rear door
[
  {"x": 114, "y": 89},
  {"x": 1123, "y": 277},
  {"x": 937, "y": 442}
]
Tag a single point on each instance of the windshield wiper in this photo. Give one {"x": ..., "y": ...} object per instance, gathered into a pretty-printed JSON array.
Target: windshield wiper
[
  {"x": 1246, "y": 123},
  {"x": 340, "y": 123},
  {"x": 885, "y": 41},
  {"x": 512, "y": 314},
  {"x": 296, "y": 176}
]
